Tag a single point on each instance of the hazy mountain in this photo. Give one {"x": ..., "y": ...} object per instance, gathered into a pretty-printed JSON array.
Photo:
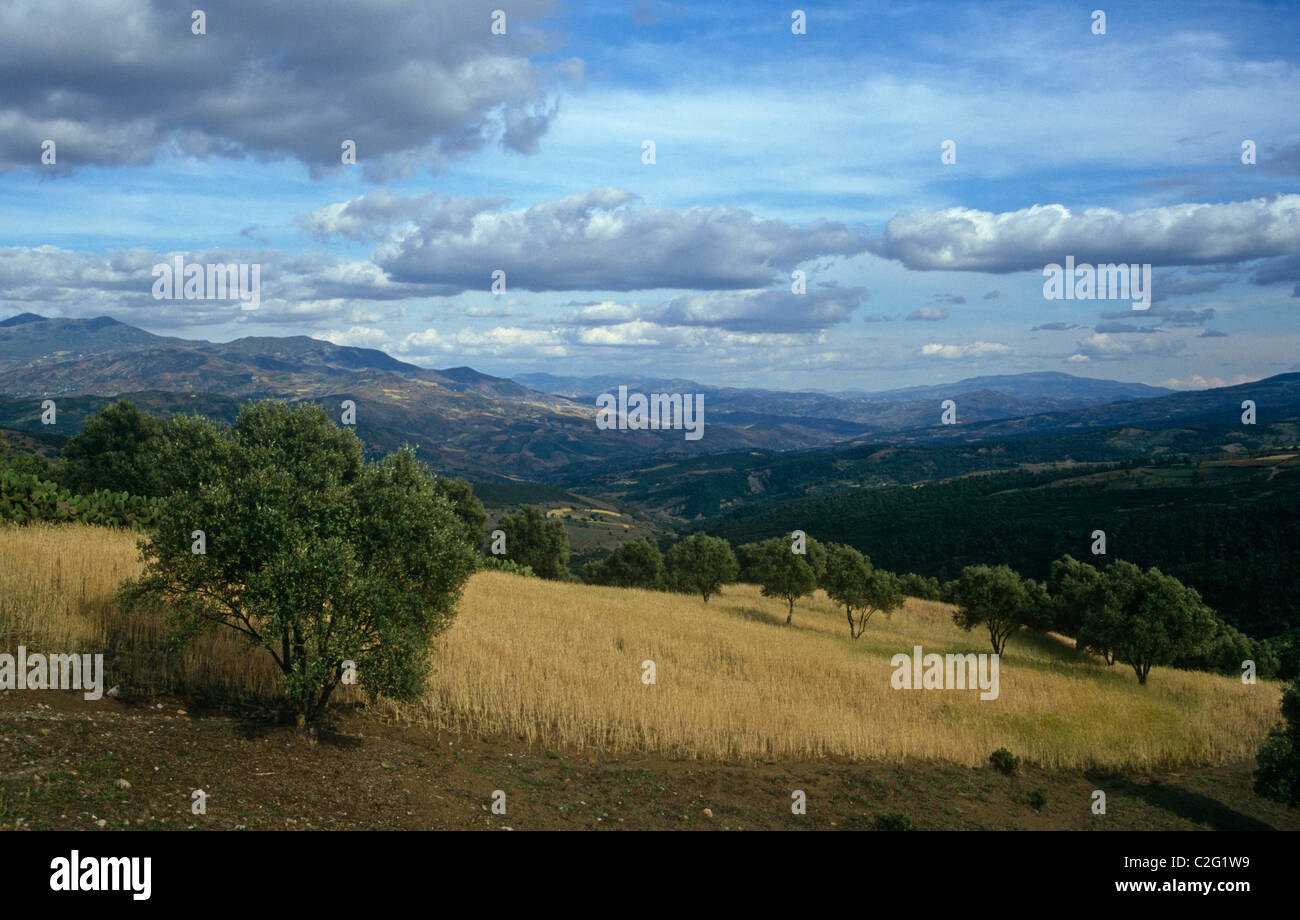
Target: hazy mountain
[
  {"x": 464, "y": 421},
  {"x": 485, "y": 426},
  {"x": 978, "y": 398},
  {"x": 1031, "y": 387},
  {"x": 1188, "y": 422},
  {"x": 28, "y": 339}
]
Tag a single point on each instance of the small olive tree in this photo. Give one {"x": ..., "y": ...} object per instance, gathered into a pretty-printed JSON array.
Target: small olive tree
[
  {"x": 851, "y": 581},
  {"x": 278, "y": 529},
  {"x": 537, "y": 541},
  {"x": 1151, "y": 618},
  {"x": 784, "y": 573},
  {"x": 998, "y": 599},
  {"x": 701, "y": 565},
  {"x": 637, "y": 564}
]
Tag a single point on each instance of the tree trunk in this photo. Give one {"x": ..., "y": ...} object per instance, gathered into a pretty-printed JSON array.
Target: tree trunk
[{"x": 790, "y": 616}]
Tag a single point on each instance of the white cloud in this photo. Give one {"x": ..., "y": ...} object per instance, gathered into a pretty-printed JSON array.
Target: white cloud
[
  {"x": 963, "y": 239},
  {"x": 970, "y": 350}
]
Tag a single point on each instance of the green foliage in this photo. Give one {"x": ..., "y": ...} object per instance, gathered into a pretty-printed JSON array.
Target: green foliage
[
  {"x": 460, "y": 495},
  {"x": 637, "y": 564},
  {"x": 850, "y": 580},
  {"x": 1277, "y": 774},
  {"x": 1001, "y": 601},
  {"x": 314, "y": 554},
  {"x": 25, "y": 499},
  {"x": 1228, "y": 650},
  {"x": 1146, "y": 619},
  {"x": 1235, "y": 538},
  {"x": 1005, "y": 762},
  {"x": 783, "y": 573},
  {"x": 1070, "y": 586},
  {"x": 502, "y": 564},
  {"x": 1038, "y": 800},
  {"x": 33, "y": 464},
  {"x": 749, "y": 559},
  {"x": 536, "y": 541},
  {"x": 116, "y": 450},
  {"x": 701, "y": 565},
  {"x": 921, "y": 586},
  {"x": 893, "y": 821}
]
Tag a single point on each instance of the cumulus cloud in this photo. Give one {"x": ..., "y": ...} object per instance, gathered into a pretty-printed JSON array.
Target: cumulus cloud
[
  {"x": 1122, "y": 328},
  {"x": 116, "y": 82},
  {"x": 1166, "y": 285},
  {"x": 1166, "y": 314},
  {"x": 1282, "y": 269},
  {"x": 971, "y": 350},
  {"x": 1103, "y": 346},
  {"x": 599, "y": 241},
  {"x": 963, "y": 239},
  {"x": 738, "y": 311},
  {"x": 371, "y": 216},
  {"x": 930, "y": 314},
  {"x": 1199, "y": 382},
  {"x": 294, "y": 288}
]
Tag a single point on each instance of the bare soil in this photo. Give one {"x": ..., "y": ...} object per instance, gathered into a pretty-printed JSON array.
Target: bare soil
[{"x": 62, "y": 760}]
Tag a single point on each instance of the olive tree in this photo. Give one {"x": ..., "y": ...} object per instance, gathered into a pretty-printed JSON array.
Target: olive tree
[
  {"x": 278, "y": 529},
  {"x": 1152, "y": 618},
  {"x": 701, "y": 565},
  {"x": 1000, "y": 600},
  {"x": 851, "y": 581},
  {"x": 784, "y": 573},
  {"x": 537, "y": 541},
  {"x": 637, "y": 564}
]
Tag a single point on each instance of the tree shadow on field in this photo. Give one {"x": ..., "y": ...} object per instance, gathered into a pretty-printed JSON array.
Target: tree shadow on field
[
  {"x": 754, "y": 615},
  {"x": 1179, "y": 801}
]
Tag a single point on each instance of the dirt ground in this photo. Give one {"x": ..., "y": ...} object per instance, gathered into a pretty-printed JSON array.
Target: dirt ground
[{"x": 69, "y": 764}]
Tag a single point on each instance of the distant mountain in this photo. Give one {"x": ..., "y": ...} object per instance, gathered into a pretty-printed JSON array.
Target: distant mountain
[
  {"x": 1275, "y": 398},
  {"x": 1198, "y": 422},
  {"x": 1036, "y": 386},
  {"x": 28, "y": 339},
  {"x": 978, "y": 398},
  {"x": 464, "y": 421},
  {"x": 539, "y": 427},
  {"x": 1065, "y": 391}
]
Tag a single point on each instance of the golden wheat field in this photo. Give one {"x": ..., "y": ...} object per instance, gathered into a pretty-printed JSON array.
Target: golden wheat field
[{"x": 561, "y": 665}]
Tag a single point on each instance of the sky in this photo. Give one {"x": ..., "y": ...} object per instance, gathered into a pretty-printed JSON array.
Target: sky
[{"x": 866, "y": 202}]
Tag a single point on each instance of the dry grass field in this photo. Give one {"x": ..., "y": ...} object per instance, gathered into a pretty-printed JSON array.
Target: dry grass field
[{"x": 561, "y": 665}]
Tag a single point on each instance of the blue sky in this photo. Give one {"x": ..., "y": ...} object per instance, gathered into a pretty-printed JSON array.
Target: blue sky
[{"x": 774, "y": 152}]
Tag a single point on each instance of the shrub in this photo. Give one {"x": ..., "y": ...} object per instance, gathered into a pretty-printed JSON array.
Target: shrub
[
  {"x": 1005, "y": 762},
  {"x": 1277, "y": 776},
  {"x": 893, "y": 821}
]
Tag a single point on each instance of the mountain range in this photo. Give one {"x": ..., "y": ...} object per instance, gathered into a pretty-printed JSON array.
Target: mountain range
[{"x": 539, "y": 427}]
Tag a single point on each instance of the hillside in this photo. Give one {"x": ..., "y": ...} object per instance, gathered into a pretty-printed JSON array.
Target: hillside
[
  {"x": 562, "y": 664},
  {"x": 1227, "y": 526},
  {"x": 537, "y": 690}
]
